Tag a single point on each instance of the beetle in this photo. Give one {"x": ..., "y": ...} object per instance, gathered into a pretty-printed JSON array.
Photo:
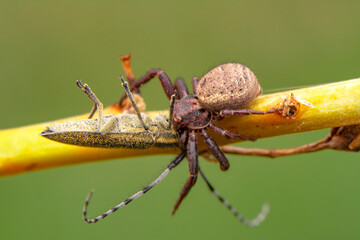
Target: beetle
[{"x": 137, "y": 131}]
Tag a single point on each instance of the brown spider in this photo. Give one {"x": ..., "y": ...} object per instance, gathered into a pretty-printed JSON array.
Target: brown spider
[{"x": 223, "y": 91}]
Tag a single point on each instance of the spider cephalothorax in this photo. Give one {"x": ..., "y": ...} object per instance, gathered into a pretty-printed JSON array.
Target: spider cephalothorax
[{"x": 188, "y": 113}]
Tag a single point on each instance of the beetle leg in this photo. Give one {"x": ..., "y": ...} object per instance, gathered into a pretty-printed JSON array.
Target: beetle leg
[
  {"x": 109, "y": 125},
  {"x": 164, "y": 80},
  {"x": 128, "y": 93},
  {"x": 127, "y": 68},
  {"x": 97, "y": 104}
]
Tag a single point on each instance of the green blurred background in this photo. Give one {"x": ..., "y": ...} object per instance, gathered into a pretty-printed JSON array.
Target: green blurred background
[{"x": 46, "y": 45}]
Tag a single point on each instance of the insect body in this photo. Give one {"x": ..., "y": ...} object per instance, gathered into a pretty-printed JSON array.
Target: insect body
[
  {"x": 120, "y": 131},
  {"x": 137, "y": 131}
]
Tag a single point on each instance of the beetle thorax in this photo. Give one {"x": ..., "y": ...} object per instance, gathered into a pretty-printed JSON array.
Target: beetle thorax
[{"x": 188, "y": 113}]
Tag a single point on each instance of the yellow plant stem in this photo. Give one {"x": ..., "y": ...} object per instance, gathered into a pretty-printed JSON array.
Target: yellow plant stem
[{"x": 325, "y": 106}]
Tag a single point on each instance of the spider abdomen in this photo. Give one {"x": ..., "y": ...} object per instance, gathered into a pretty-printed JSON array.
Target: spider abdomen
[{"x": 228, "y": 86}]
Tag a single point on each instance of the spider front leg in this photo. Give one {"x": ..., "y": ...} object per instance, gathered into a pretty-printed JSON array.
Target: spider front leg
[{"x": 192, "y": 156}]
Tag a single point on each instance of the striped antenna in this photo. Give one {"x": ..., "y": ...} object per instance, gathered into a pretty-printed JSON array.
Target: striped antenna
[
  {"x": 172, "y": 165},
  {"x": 251, "y": 223}
]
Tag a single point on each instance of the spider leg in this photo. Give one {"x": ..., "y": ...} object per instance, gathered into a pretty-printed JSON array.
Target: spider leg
[
  {"x": 251, "y": 223},
  {"x": 183, "y": 138},
  {"x": 215, "y": 150},
  {"x": 181, "y": 87},
  {"x": 172, "y": 165},
  {"x": 194, "y": 82},
  {"x": 97, "y": 104},
  {"x": 192, "y": 156},
  {"x": 164, "y": 80},
  {"x": 228, "y": 112},
  {"x": 128, "y": 93},
  {"x": 226, "y": 133}
]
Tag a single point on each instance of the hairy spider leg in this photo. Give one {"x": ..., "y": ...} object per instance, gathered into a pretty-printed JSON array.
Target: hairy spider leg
[
  {"x": 251, "y": 223},
  {"x": 172, "y": 165},
  {"x": 192, "y": 156},
  {"x": 215, "y": 150},
  {"x": 128, "y": 93},
  {"x": 183, "y": 138},
  {"x": 190, "y": 140},
  {"x": 194, "y": 82},
  {"x": 164, "y": 80},
  {"x": 97, "y": 104},
  {"x": 229, "y": 112},
  {"x": 226, "y": 133},
  {"x": 181, "y": 87}
]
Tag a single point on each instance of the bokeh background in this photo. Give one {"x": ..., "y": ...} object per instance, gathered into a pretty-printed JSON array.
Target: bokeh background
[{"x": 46, "y": 45}]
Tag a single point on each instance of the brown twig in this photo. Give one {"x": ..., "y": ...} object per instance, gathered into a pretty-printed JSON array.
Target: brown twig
[{"x": 341, "y": 138}]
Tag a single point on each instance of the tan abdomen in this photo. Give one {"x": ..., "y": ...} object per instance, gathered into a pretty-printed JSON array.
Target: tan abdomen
[{"x": 228, "y": 86}]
